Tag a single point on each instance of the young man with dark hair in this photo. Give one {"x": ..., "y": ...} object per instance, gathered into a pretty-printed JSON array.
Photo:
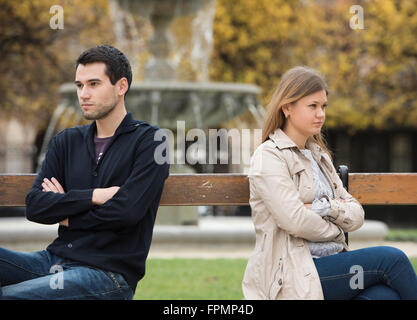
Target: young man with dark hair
[{"x": 101, "y": 184}]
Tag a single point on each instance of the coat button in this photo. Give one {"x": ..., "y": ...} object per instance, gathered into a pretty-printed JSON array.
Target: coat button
[
  {"x": 280, "y": 282},
  {"x": 69, "y": 245},
  {"x": 95, "y": 173}
]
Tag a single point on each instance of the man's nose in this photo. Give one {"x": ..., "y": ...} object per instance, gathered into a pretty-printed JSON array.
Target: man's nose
[{"x": 84, "y": 93}]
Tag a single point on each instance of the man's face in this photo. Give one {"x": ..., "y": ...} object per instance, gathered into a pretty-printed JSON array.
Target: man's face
[{"x": 96, "y": 94}]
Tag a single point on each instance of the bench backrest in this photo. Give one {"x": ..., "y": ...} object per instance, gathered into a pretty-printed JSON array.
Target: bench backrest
[{"x": 233, "y": 189}]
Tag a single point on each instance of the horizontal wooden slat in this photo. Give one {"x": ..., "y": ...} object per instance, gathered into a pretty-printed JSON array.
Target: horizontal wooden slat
[
  {"x": 180, "y": 189},
  {"x": 233, "y": 189},
  {"x": 206, "y": 189},
  {"x": 384, "y": 188},
  {"x": 13, "y": 189}
]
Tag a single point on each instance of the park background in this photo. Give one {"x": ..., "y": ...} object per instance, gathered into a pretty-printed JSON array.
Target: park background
[{"x": 371, "y": 122}]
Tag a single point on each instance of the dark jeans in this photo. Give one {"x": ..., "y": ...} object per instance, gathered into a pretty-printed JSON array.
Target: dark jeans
[
  {"x": 42, "y": 275},
  {"x": 376, "y": 273}
]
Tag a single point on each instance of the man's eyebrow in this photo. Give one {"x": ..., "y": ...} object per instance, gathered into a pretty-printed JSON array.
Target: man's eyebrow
[{"x": 89, "y": 80}]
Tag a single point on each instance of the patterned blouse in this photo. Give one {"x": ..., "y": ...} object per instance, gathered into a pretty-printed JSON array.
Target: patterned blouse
[{"x": 321, "y": 206}]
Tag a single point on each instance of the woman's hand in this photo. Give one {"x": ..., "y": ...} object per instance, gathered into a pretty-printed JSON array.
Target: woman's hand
[{"x": 308, "y": 205}]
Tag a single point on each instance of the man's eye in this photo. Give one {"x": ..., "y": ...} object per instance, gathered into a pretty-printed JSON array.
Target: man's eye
[{"x": 79, "y": 85}]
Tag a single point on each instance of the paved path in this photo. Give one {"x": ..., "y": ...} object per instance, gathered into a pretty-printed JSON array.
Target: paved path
[
  {"x": 230, "y": 251},
  {"x": 215, "y": 237},
  {"x": 215, "y": 251}
]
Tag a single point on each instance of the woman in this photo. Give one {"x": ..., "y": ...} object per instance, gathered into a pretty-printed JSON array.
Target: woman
[{"x": 301, "y": 210}]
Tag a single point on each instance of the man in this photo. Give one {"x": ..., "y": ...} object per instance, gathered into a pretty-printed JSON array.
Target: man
[{"x": 101, "y": 183}]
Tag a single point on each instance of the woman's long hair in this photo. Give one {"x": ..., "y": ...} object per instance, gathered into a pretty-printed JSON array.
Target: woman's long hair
[{"x": 295, "y": 84}]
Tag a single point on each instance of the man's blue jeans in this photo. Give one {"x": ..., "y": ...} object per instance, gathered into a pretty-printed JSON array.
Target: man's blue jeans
[
  {"x": 42, "y": 275},
  {"x": 375, "y": 273}
]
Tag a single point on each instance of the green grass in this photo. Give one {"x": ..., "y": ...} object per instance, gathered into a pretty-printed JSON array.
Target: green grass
[
  {"x": 402, "y": 235},
  {"x": 192, "y": 279},
  {"x": 414, "y": 263},
  {"x": 195, "y": 279}
]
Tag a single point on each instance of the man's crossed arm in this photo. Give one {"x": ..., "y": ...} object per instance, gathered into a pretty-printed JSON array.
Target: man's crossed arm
[
  {"x": 112, "y": 208},
  {"x": 100, "y": 195}
]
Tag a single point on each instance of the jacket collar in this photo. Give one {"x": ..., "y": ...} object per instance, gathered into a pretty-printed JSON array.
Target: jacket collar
[
  {"x": 282, "y": 141},
  {"x": 127, "y": 124}
]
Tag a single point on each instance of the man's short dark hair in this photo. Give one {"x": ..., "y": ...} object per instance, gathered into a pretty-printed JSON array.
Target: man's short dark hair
[{"x": 117, "y": 64}]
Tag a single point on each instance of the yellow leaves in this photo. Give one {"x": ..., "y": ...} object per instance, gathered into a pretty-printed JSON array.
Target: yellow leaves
[
  {"x": 248, "y": 40},
  {"x": 364, "y": 68},
  {"x": 371, "y": 73},
  {"x": 36, "y": 59},
  {"x": 412, "y": 115}
]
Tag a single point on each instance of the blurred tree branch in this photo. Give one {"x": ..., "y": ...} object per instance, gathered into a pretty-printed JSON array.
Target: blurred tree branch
[
  {"x": 371, "y": 72},
  {"x": 36, "y": 59}
]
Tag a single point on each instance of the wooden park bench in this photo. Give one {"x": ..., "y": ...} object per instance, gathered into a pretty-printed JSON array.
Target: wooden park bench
[{"x": 233, "y": 189}]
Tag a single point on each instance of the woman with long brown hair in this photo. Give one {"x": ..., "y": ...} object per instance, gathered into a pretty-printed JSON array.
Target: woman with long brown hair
[{"x": 301, "y": 211}]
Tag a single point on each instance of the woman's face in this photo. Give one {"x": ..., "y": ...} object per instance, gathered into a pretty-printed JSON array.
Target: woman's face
[{"x": 307, "y": 115}]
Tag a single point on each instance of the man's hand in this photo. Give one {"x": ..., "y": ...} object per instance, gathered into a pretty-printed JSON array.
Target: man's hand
[
  {"x": 54, "y": 186},
  {"x": 101, "y": 195}
]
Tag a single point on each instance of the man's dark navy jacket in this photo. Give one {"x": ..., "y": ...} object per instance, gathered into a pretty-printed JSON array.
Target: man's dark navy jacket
[{"x": 115, "y": 236}]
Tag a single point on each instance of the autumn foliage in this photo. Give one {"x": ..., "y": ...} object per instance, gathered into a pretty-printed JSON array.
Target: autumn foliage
[
  {"x": 36, "y": 59},
  {"x": 371, "y": 72}
]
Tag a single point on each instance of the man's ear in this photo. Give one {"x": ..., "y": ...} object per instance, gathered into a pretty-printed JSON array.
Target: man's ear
[{"x": 122, "y": 86}]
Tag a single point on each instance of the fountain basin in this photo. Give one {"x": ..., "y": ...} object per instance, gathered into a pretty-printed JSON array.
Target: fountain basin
[{"x": 200, "y": 104}]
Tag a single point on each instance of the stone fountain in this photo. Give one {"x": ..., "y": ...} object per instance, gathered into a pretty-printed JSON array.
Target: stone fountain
[{"x": 164, "y": 96}]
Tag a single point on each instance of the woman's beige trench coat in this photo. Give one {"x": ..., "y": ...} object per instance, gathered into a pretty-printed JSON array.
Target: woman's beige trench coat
[{"x": 281, "y": 182}]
